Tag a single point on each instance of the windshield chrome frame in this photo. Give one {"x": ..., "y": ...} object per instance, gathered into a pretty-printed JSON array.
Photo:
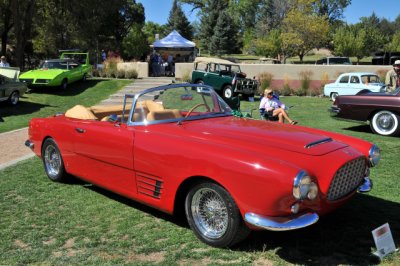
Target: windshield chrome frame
[{"x": 135, "y": 98}]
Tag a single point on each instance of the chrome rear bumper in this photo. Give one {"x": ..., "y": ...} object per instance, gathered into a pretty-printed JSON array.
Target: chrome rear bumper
[
  {"x": 281, "y": 223},
  {"x": 29, "y": 144}
]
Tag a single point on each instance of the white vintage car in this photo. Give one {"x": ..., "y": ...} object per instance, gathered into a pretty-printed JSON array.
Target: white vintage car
[{"x": 353, "y": 83}]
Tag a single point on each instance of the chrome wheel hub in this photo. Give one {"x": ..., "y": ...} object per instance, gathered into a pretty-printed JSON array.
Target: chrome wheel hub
[
  {"x": 210, "y": 213},
  {"x": 385, "y": 122},
  {"x": 52, "y": 161}
]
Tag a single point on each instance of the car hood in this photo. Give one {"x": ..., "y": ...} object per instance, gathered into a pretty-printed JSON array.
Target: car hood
[
  {"x": 42, "y": 73},
  {"x": 245, "y": 133}
]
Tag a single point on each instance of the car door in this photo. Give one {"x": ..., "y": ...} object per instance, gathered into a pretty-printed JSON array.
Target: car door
[
  {"x": 104, "y": 155},
  {"x": 355, "y": 85},
  {"x": 3, "y": 92},
  {"x": 343, "y": 85},
  {"x": 214, "y": 78},
  {"x": 75, "y": 71}
]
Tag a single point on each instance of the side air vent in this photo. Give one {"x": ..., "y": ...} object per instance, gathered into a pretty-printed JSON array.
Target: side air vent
[{"x": 149, "y": 185}]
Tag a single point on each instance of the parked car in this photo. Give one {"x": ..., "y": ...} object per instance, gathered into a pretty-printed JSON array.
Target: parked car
[
  {"x": 69, "y": 68},
  {"x": 11, "y": 89},
  {"x": 334, "y": 60},
  {"x": 385, "y": 58},
  {"x": 180, "y": 148},
  {"x": 224, "y": 76},
  {"x": 352, "y": 83},
  {"x": 380, "y": 110}
]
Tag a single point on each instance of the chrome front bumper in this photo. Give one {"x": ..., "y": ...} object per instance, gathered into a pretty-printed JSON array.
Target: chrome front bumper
[{"x": 281, "y": 223}]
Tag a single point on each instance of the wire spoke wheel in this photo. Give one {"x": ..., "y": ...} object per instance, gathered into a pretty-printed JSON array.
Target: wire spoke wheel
[
  {"x": 210, "y": 213},
  {"x": 214, "y": 216},
  {"x": 53, "y": 162}
]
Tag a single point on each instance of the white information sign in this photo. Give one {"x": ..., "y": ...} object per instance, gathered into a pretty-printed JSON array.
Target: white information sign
[{"x": 383, "y": 241}]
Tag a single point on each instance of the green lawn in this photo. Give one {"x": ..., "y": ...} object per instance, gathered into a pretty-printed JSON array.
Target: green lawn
[
  {"x": 42, "y": 102},
  {"x": 49, "y": 223}
]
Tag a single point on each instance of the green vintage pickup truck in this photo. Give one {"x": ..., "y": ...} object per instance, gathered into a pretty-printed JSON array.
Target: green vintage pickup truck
[{"x": 224, "y": 76}]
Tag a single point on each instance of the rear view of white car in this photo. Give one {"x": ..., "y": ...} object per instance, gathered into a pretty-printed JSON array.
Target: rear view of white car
[{"x": 353, "y": 83}]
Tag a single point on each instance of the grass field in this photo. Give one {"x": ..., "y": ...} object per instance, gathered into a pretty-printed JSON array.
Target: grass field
[
  {"x": 49, "y": 223},
  {"x": 42, "y": 102}
]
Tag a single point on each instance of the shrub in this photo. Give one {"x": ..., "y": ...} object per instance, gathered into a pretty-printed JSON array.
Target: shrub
[
  {"x": 187, "y": 77},
  {"x": 264, "y": 80},
  {"x": 300, "y": 92},
  {"x": 324, "y": 79},
  {"x": 286, "y": 90},
  {"x": 316, "y": 91},
  {"x": 110, "y": 66},
  {"x": 111, "y": 72},
  {"x": 120, "y": 73},
  {"x": 95, "y": 72},
  {"x": 131, "y": 74},
  {"x": 305, "y": 78},
  {"x": 382, "y": 74}
]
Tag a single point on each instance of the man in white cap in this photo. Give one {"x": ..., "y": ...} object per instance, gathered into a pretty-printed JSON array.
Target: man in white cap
[
  {"x": 3, "y": 62},
  {"x": 393, "y": 76}
]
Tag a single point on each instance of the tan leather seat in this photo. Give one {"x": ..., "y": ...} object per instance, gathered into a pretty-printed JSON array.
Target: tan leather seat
[
  {"x": 164, "y": 114},
  {"x": 80, "y": 112}
]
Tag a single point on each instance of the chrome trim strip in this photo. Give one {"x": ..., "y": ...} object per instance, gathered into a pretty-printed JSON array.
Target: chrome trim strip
[
  {"x": 281, "y": 223},
  {"x": 318, "y": 142}
]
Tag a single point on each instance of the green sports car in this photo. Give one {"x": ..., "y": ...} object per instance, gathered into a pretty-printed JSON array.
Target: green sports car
[{"x": 69, "y": 68}]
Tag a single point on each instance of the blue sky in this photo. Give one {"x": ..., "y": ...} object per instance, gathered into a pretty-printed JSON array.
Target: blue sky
[{"x": 158, "y": 10}]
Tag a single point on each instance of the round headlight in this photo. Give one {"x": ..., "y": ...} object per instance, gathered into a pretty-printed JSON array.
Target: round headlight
[
  {"x": 374, "y": 155},
  {"x": 303, "y": 187}
]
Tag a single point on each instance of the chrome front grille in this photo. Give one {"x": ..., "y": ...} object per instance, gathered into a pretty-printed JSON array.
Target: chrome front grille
[
  {"x": 44, "y": 81},
  {"x": 347, "y": 179}
]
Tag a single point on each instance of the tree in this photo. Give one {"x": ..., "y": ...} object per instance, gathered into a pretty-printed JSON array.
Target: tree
[
  {"x": 150, "y": 29},
  {"x": 23, "y": 12},
  {"x": 303, "y": 30},
  {"x": 224, "y": 32},
  {"x": 179, "y": 22},
  {"x": 270, "y": 46},
  {"x": 6, "y": 24},
  {"x": 134, "y": 44},
  {"x": 394, "y": 45},
  {"x": 333, "y": 9}
]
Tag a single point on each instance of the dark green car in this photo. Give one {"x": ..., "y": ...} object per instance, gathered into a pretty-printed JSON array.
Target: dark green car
[{"x": 225, "y": 77}]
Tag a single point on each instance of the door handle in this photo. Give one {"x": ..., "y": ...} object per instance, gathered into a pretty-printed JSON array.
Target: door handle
[{"x": 80, "y": 130}]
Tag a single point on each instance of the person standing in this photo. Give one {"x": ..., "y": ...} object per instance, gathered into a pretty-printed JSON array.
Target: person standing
[
  {"x": 393, "y": 76},
  {"x": 3, "y": 62}
]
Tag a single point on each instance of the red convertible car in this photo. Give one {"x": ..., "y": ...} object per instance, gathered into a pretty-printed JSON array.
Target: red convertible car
[
  {"x": 179, "y": 147},
  {"x": 380, "y": 110}
]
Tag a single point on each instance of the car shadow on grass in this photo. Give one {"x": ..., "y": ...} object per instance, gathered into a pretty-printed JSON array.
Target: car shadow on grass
[
  {"x": 342, "y": 237},
  {"x": 73, "y": 89},
  {"x": 22, "y": 107},
  {"x": 360, "y": 128}
]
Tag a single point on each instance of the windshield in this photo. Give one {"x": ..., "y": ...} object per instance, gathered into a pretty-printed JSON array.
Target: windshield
[
  {"x": 339, "y": 61},
  {"x": 177, "y": 103},
  {"x": 54, "y": 65},
  {"x": 370, "y": 79}
]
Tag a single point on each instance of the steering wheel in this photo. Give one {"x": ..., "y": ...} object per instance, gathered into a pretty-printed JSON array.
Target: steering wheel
[{"x": 197, "y": 106}]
